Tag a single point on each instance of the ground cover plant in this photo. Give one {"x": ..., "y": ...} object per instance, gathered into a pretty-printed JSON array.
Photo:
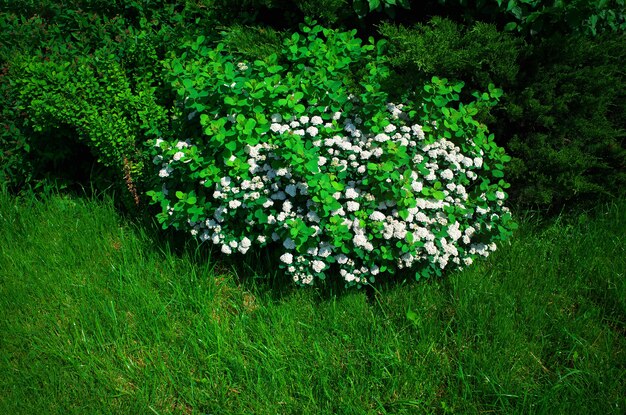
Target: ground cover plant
[{"x": 100, "y": 317}]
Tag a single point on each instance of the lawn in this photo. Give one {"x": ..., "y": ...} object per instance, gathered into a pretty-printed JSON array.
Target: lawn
[{"x": 101, "y": 315}]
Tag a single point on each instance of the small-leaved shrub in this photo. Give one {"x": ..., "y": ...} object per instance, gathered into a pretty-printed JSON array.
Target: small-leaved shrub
[
  {"x": 92, "y": 99},
  {"x": 340, "y": 180},
  {"x": 477, "y": 54}
]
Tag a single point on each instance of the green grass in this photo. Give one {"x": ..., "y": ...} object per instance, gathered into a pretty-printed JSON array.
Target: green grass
[{"x": 96, "y": 316}]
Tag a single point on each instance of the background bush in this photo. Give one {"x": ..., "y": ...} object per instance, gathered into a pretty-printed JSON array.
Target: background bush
[
  {"x": 562, "y": 115},
  {"x": 569, "y": 113},
  {"x": 82, "y": 90}
]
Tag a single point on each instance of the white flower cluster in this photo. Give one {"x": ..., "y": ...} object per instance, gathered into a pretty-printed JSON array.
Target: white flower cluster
[{"x": 344, "y": 146}]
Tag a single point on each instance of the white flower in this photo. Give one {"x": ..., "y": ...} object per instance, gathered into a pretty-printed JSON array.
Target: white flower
[
  {"x": 275, "y": 127},
  {"x": 317, "y": 120},
  {"x": 390, "y": 128},
  {"x": 353, "y": 206},
  {"x": 299, "y": 132},
  {"x": 447, "y": 174},
  {"x": 318, "y": 266},
  {"x": 287, "y": 258},
  {"x": 381, "y": 138},
  {"x": 165, "y": 172},
  {"x": 377, "y": 216},
  {"x": 226, "y": 249},
  {"x": 481, "y": 211},
  {"x": 234, "y": 204},
  {"x": 454, "y": 231},
  {"x": 261, "y": 239},
  {"x": 336, "y": 116},
  {"x": 359, "y": 240},
  {"x": 430, "y": 248},
  {"x": 417, "y": 131},
  {"x": 324, "y": 251},
  {"x": 500, "y": 195},
  {"x": 182, "y": 144},
  {"x": 287, "y": 206},
  {"x": 321, "y": 161},
  {"x": 242, "y": 66},
  {"x": 158, "y": 142},
  {"x": 312, "y": 131},
  {"x": 351, "y": 193},
  {"x": 478, "y": 162},
  {"x": 312, "y": 216},
  {"x": 290, "y": 190},
  {"x": 304, "y": 119},
  {"x": 225, "y": 181},
  {"x": 416, "y": 186}
]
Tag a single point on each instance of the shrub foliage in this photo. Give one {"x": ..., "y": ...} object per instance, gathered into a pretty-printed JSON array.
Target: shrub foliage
[{"x": 292, "y": 151}]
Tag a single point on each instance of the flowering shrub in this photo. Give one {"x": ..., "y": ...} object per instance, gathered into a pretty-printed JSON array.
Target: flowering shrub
[{"x": 296, "y": 153}]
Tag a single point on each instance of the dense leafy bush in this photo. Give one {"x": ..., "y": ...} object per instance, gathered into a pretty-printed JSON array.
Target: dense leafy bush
[
  {"x": 562, "y": 115},
  {"x": 78, "y": 82},
  {"x": 547, "y": 17},
  {"x": 478, "y": 54},
  {"x": 565, "y": 122},
  {"x": 92, "y": 96},
  {"x": 294, "y": 152}
]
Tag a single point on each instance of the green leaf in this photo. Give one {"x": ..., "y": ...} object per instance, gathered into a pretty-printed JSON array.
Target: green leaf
[
  {"x": 509, "y": 27},
  {"x": 337, "y": 186},
  {"x": 439, "y": 195},
  {"x": 374, "y": 4},
  {"x": 312, "y": 166},
  {"x": 250, "y": 124},
  {"x": 231, "y": 145},
  {"x": 261, "y": 216},
  {"x": 188, "y": 83},
  {"x": 412, "y": 316}
]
